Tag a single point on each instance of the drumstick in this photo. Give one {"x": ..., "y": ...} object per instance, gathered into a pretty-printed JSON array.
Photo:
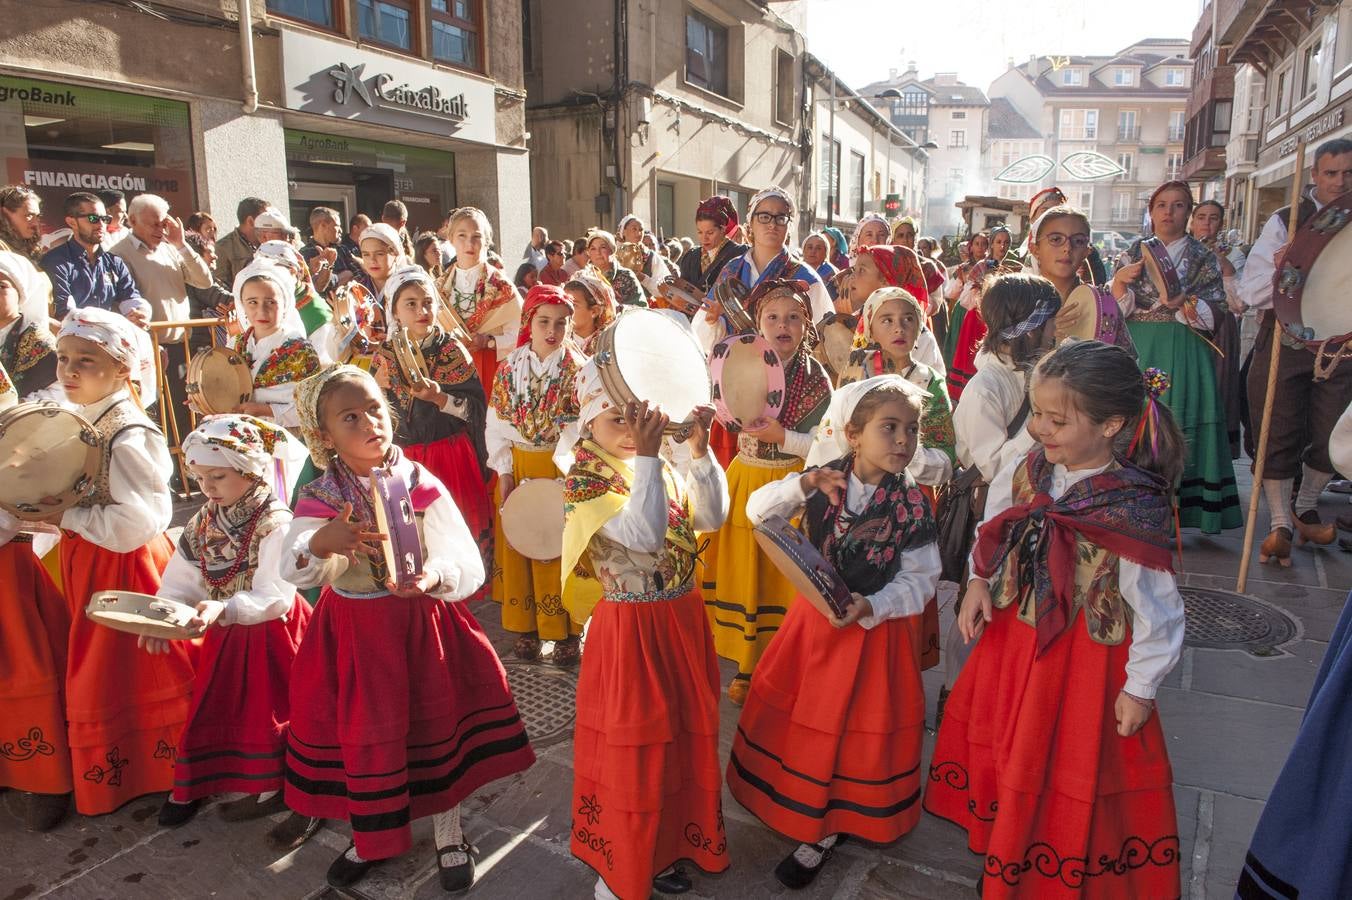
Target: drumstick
[{"x": 1258, "y": 465}]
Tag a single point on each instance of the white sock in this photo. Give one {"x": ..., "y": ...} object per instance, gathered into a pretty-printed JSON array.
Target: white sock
[
  {"x": 809, "y": 856},
  {"x": 266, "y": 796},
  {"x": 351, "y": 855},
  {"x": 1277, "y": 492},
  {"x": 179, "y": 802},
  {"x": 603, "y": 891},
  {"x": 1312, "y": 484},
  {"x": 446, "y": 828}
]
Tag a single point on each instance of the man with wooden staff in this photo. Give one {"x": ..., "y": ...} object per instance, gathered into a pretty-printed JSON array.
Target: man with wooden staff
[{"x": 1304, "y": 409}]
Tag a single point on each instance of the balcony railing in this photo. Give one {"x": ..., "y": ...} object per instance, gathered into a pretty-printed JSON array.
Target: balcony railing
[{"x": 1128, "y": 134}]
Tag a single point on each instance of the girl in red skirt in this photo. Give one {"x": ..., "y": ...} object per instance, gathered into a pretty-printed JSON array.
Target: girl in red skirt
[
  {"x": 829, "y": 742},
  {"x": 34, "y": 628},
  {"x": 125, "y": 708},
  {"x": 646, "y": 790},
  {"x": 227, "y": 567},
  {"x": 1049, "y": 754},
  {"x": 440, "y": 423},
  {"x": 399, "y": 707}
]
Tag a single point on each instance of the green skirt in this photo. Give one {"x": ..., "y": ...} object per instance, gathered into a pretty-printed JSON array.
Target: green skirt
[
  {"x": 1207, "y": 498},
  {"x": 951, "y": 337}
]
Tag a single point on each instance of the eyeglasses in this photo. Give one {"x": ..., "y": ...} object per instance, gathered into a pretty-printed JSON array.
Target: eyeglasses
[
  {"x": 780, "y": 219},
  {"x": 95, "y": 218},
  {"x": 1058, "y": 240}
]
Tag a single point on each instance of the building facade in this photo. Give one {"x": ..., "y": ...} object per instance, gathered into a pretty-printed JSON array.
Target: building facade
[
  {"x": 342, "y": 103},
  {"x": 1130, "y": 107},
  {"x": 953, "y": 116}
]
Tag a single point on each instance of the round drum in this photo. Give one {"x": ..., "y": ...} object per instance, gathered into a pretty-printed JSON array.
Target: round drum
[
  {"x": 731, "y": 295},
  {"x": 837, "y": 333},
  {"x": 532, "y": 519},
  {"x": 395, "y": 519},
  {"x": 1082, "y": 305},
  {"x": 632, "y": 256},
  {"x": 45, "y": 451},
  {"x": 354, "y": 318},
  {"x": 644, "y": 355},
  {"x": 1160, "y": 269},
  {"x": 1311, "y": 287},
  {"x": 748, "y": 380},
  {"x": 682, "y": 295},
  {"x": 797, "y": 560},
  {"x": 219, "y": 380},
  {"x": 143, "y": 614}
]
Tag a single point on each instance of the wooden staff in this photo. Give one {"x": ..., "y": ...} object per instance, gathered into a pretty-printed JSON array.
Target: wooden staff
[{"x": 1293, "y": 222}]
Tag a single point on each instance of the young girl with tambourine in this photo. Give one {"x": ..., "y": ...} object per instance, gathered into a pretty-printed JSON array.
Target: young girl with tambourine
[
  {"x": 273, "y": 342},
  {"x": 399, "y": 707},
  {"x": 829, "y": 742},
  {"x": 227, "y": 567}
]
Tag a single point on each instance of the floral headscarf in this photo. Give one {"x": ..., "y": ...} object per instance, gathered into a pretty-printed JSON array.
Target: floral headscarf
[
  {"x": 121, "y": 340},
  {"x": 248, "y": 445},
  {"x": 307, "y": 407},
  {"x": 863, "y": 334},
  {"x": 719, "y": 210},
  {"x": 536, "y": 297}
]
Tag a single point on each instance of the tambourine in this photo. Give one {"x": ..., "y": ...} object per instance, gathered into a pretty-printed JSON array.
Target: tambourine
[
  {"x": 357, "y": 320},
  {"x": 219, "y": 380},
  {"x": 645, "y": 356},
  {"x": 1087, "y": 305},
  {"x": 408, "y": 356},
  {"x": 46, "y": 450},
  {"x": 837, "y": 340},
  {"x": 143, "y": 614},
  {"x": 632, "y": 256},
  {"x": 532, "y": 519},
  {"x": 1159, "y": 268},
  {"x": 731, "y": 294},
  {"x": 748, "y": 380},
  {"x": 681, "y": 294},
  {"x": 395, "y": 519},
  {"x": 1310, "y": 289},
  {"x": 800, "y": 562}
]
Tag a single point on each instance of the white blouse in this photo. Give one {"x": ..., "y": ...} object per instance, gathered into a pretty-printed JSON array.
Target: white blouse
[
  {"x": 499, "y": 434},
  {"x": 270, "y": 596},
  {"x": 449, "y": 551},
  {"x": 641, "y": 524},
  {"x": 138, "y": 480},
  {"x": 989, "y": 404},
  {"x": 1151, "y": 596},
  {"x": 1340, "y": 442},
  {"x": 917, "y": 577}
]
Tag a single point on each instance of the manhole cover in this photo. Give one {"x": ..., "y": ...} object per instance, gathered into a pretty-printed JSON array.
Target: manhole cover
[
  {"x": 545, "y": 696},
  {"x": 1221, "y": 620}
]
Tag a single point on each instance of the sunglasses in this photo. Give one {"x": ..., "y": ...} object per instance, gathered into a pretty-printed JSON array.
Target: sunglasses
[{"x": 95, "y": 218}]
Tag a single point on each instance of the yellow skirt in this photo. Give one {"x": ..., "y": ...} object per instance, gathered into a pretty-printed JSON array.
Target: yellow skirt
[
  {"x": 749, "y": 597},
  {"x": 530, "y": 591}
]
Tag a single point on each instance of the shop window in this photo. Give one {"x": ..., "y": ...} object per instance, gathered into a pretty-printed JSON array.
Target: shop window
[
  {"x": 783, "y": 88},
  {"x": 829, "y": 175},
  {"x": 455, "y": 32},
  {"x": 387, "y": 22},
  {"x": 316, "y": 12},
  {"x": 706, "y": 54},
  {"x": 1309, "y": 69}
]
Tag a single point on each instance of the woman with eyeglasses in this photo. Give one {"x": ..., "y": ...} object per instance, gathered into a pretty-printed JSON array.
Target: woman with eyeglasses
[{"x": 1058, "y": 245}]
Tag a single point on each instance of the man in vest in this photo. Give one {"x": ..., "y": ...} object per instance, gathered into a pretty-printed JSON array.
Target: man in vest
[{"x": 1304, "y": 409}]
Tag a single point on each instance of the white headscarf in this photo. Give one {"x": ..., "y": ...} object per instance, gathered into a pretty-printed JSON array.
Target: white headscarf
[
  {"x": 619, "y": 231},
  {"x": 121, "y": 340},
  {"x": 25, "y": 278},
  {"x": 288, "y": 319},
  {"x": 869, "y": 217},
  {"x": 401, "y": 275},
  {"x": 830, "y": 443},
  {"x": 281, "y": 253},
  {"x": 385, "y": 234},
  {"x": 592, "y": 398},
  {"x": 250, "y": 446},
  {"x": 777, "y": 193}
]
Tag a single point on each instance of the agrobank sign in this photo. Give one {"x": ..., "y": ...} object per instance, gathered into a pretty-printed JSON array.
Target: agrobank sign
[{"x": 336, "y": 79}]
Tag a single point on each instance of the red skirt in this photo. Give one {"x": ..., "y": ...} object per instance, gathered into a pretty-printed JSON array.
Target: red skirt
[
  {"x": 829, "y": 741},
  {"x": 1029, "y": 762},
  {"x": 723, "y": 443},
  {"x": 235, "y": 738},
  {"x": 486, "y": 364},
  {"x": 126, "y": 708},
  {"x": 970, "y": 335},
  {"x": 399, "y": 710},
  {"x": 34, "y": 629},
  {"x": 646, "y": 788},
  {"x": 454, "y": 462}
]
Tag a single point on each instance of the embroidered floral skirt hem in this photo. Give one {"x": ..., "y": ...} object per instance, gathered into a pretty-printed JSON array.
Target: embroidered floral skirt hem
[
  {"x": 963, "y": 366},
  {"x": 399, "y": 710},
  {"x": 126, "y": 708},
  {"x": 235, "y": 739},
  {"x": 1208, "y": 497},
  {"x": 1029, "y": 762},
  {"x": 530, "y": 591},
  {"x": 646, "y": 787},
  {"x": 829, "y": 740},
  {"x": 750, "y": 596},
  {"x": 454, "y": 462},
  {"x": 34, "y": 629}
]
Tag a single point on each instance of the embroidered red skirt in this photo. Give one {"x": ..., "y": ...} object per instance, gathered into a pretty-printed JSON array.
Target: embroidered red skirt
[
  {"x": 235, "y": 738},
  {"x": 34, "y": 629},
  {"x": 970, "y": 335},
  {"x": 126, "y": 708},
  {"x": 829, "y": 740},
  {"x": 454, "y": 462},
  {"x": 399, "y": 710},
  {"x": 1029, "y": 762},
  {"x": 646, "y": 787}
]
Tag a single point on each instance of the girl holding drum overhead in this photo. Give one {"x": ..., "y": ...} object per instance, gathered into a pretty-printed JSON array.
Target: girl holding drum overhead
[
  {"x": 750, "y": 596},
  {"x": 273, "y": 341},
  {"x": 227, "y": 566},
  {"x": 646, "y": 790},
  {"x": 829, "y": 742},
  {"x": 440, "y": 422},
  {"x": 125, "y": 708},
  {"x": 533, "y": 400},
  {"x": 399, "y": 707}
]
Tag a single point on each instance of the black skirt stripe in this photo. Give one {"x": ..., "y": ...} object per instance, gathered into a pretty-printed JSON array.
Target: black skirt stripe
[
  {"x": 749, "y": 616},
  {"x": 819, "y": 812},
  {"x": 1272, "y": 887},
  {"x": 228, "y": 776},
  {"x": 835, "y": 776},
  {"x": 234, "y": 754}
]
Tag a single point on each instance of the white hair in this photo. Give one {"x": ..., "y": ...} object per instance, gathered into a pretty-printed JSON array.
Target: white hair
[{"x": 148, "y": 201}]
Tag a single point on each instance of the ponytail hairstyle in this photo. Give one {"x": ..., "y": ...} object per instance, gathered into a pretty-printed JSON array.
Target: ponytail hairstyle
[
  {"x": 1009, "y": 300},
  {"x": 1106, "y": 384}
]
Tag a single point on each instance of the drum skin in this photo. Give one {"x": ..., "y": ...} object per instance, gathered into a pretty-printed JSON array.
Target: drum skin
[
  {"x": 748, "y": 380},
  {"x": 143, "y": 614},
  {"x": 219, "y": 380},
  {"x": 639, "y": 356},
  {"x": 532, "y": 519},
  {"x": 45, "y": 451},
  {"x": 800, "y": 562},
  {"x": 1311, "y": 286}
]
